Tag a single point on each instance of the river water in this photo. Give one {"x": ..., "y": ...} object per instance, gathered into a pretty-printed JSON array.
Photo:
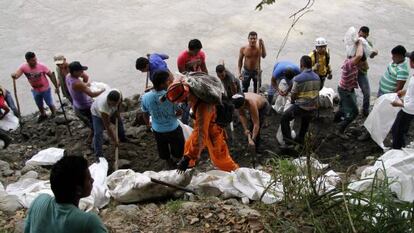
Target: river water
[{"x": 108, "y": 35}]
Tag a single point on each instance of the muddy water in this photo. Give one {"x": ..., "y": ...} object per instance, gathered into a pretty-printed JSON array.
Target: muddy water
[{"x": 108, "y": 35}]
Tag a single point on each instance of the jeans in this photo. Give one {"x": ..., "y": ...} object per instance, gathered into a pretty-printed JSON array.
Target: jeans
[
  {"x": 348, "y": 108},
  {"x": 400, "y": 129},
  {"x": 85, "y": 116},
  {"x": 170, "y": 143},
  {"x": 363, "y": 83},
  {"x": 46, "y": 96},
  {"x": 10, "y": 103},
  {"x": 98, "y": 128},
  {"x": 248, "y": 75},
  {"x": 290, "y": 114}
]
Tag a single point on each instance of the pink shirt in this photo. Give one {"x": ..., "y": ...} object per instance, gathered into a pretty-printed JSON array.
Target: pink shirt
[
  {"x": 36, "y": 76},
  {"x": 187, "y": 62},
  {"x": 349, "y": 78}
]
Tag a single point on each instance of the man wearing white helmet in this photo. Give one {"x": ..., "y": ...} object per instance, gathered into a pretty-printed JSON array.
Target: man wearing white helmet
[{"x": 320, "y": 60}]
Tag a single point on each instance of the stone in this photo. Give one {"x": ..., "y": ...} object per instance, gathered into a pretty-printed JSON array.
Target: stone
[
  {"x": 247, "y": 211},
  {"x": 9, "y": 203},
  {"x": 190, "y": 205},
  {"x": 127, "y": 209},
  {"x": 124, "y": 164},
  {"x": 5, "y": 169},
  {"x": 194, "y": 220},
  {"x": 30, "y": 174}
]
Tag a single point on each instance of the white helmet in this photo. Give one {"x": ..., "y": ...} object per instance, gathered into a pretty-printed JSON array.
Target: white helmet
[{"x": 321, "y": 42}]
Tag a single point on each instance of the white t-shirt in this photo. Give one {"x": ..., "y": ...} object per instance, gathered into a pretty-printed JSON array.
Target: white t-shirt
[
  {"x": 101, "y": 105},
  {"x": 409, "y": 98}
]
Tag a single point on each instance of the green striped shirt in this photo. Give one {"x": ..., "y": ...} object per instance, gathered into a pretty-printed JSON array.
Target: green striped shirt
[{"x": 394, "y": 73}]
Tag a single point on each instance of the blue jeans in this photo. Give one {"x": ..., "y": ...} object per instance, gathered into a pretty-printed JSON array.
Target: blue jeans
[
  {"x": 98, "y": 128},
  {"x": 249, "y": 75},
  {"x": 10, "y": 103},
  {"x": 366, "y": 91},
  {"x": 46, "y": 96},
  {"x": 348, "y": 108}
]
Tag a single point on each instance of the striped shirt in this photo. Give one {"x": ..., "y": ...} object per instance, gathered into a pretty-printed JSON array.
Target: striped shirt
[
  {"x": 349, "y": 75},
  {"x": 305, "y": 88},
  {"x": 394, "y": 73}
]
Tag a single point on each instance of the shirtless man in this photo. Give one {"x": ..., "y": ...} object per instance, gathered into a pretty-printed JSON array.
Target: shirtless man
[
  {"x": 258, "y": 109},
  {"x": 251, "y": 68}
]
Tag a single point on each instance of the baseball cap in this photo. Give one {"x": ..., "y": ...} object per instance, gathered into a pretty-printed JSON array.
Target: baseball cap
[
  {"x": 76, "y": 66},
  {"x": 59, "y": 59},
  {"x": 410, "y": 55}
]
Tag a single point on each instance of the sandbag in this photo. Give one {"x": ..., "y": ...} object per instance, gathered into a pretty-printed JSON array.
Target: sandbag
[
  {"x": 99, "y": 86},
  {"x": 46, "y": 157},
  {"x": 350, "y": 38},
  {"x": 127, "y": 186},
  {"x": 380, "y": 120},
  {"x": 326, "y": 97},
  {"x": 399, "y": 168},
  {"x": 10, "y": 122},
  {"x": 207, "y": 88}
]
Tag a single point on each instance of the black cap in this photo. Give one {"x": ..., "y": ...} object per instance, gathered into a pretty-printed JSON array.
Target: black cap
[
  {"x": 410, "y": 55},
  {"x": 76, "y": 66}
]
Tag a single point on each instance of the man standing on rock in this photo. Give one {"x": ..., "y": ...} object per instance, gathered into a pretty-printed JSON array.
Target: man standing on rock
[
  {"x": 258, "y": 108},
  {"x": 36, "y": 75},
  {"x": 282, "y": 70},
  {"x": 249, "y": 60},
  {"x": 105, "y": 110},
  {"x": 348, "y": 108},
  {"x": 155, "y": 62},
  {"x": 81, "y": 94},
  {"x": 304, "y": 95},
  {"x": 406, "y": 114},
  {"x": 62, "y": 70},
  {"x": 193, "y": 59},
  {"x": 363, "y": 67},
  {"x": 167, "y": 131},
  {"x": 70, "y": 181},
  {"x": 206, "y": 132}
]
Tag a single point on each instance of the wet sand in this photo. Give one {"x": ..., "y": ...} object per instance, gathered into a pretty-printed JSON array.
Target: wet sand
[{"x": 109, "y": 35}]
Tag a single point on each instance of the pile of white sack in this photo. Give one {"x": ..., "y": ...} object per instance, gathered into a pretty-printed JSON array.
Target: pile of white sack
[{"x": 9, "y": 123}]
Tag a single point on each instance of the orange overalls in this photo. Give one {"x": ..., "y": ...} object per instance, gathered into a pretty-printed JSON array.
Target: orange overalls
[{"x": 207, "y": 133}]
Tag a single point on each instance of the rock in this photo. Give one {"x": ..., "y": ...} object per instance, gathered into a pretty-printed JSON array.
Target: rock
[
  {"x": 19, "y": 226},
  {"x": 124, "y": 164},
  {"x": 127, "y": 209},
  {"x": 194, "y": 220},
  {"x": 359, "y": 170},
  {"x": 190, "y": 205},
  {"x": 5, "y": 169},
  {"x": 247, "y": 211},
  {"x": 9, "y": 203},
  {"x": 135, "y": 131},
  {"x": 30, "y": 174}
]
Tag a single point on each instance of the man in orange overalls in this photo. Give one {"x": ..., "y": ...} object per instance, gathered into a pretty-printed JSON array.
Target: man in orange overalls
[{"x": 205, "y": 133}]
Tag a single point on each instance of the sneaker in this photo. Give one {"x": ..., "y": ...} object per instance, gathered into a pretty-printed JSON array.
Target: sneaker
[
  {"x": 364, "y": 136},
  {"x": 41, "y": 118}
]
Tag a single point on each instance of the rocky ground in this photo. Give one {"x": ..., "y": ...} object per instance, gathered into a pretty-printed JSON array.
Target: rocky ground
[{"x": 191, "y": 214}]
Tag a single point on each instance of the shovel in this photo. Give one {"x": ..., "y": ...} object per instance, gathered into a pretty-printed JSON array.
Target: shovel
[
  {"x": 25, "y": 136},
  {"x": 117, "y": 147}
]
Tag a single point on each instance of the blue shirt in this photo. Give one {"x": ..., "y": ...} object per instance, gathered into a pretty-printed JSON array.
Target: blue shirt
[
  {"x": 163, "y": 114},
  {"x": 280, "y": 68},
  {"x": 157, "y": 63}
]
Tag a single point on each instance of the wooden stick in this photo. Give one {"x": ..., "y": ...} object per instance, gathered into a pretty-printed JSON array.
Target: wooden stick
[
  {"x": 117, "y": 147},
  {"x": 172, "y": 186},
  {"x": 64, "y": 114},
  {"x": 15, "y": 96}
]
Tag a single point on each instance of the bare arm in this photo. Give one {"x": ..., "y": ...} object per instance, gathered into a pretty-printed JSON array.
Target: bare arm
[
  {"x": 400, "y": 85},
  {"x": 6, "y": 110},
  {"x": 85, "y": 77},
  {"x": 81, "y": 86},
  {"x": 52, "y": 78},
  {"x": 240, "y": 61},
  {"x": 243, "y": 121},
  {"x": 17, "y": 74},
  {"x": 359, "y": 53},
  {"x": 254, "y": 114},
  {"x": 263, "y": 48},
  {"x": 204, "y": 67},
  {"x": 146, "y": 117}
]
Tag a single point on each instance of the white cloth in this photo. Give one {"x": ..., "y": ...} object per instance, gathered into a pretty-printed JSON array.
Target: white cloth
[
  {"x": 409, "y": 98},
  {"x": 100, "y": 105}
]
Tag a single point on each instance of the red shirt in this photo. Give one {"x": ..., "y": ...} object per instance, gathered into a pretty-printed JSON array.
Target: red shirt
[
  {"x": 2, "y": 102},
  {"x": 36, "y": 76},
  {"x": 349, "y": 78},
  {"x": 186, "y": 62}
]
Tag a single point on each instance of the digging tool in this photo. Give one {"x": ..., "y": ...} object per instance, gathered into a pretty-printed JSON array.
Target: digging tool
[
  {"x": 117, "y": 147},
  {"x": 25, "y": 136},
  {"x": 259, "y": 70},
  {"x": 64, "y": 114},
  {"x": 252, "y": 150},
  {"x": 173, "y": 186}
]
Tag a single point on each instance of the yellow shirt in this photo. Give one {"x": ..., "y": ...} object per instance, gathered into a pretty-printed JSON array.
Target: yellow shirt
[{"x": 324, "y": 69}]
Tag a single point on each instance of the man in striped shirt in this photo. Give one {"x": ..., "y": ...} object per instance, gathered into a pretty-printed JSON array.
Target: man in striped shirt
[
  {"x": 348, "y": 108},
  {"x": 396, "y": 73},
  {"x": 304, "y": 94}
]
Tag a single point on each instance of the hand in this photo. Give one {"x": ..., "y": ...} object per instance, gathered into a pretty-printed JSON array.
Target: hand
[
  {"x": 251, "y": 142},
  {"x": 329, "y": 76},
  {"x": 14, "y": 76},
  {"x": 241, "y": 77},
  {"x": 182, "y": 165},
  {"x": 89, "y": 85},
  {"x": 261, "y": 43},
  {"x": 400, "y": 93},
  {"x": 247, "y": 133},
  {"x": 397, "y": 104},
  {"x": 373, "y": 54}
]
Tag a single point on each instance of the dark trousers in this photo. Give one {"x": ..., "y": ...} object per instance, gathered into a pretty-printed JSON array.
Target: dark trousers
[
  {"x": 170, "y": 143},
  {"x": 249, "y": 75},
  {"x": 290, "y": 114},
  {"x": 85, "y": 116},
  {"x": 400, "y": 129},
  {"x": 348, "y": 108}
]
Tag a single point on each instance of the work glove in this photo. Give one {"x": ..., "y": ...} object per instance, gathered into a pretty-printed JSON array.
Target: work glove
[{"x": 182, "y": 165}]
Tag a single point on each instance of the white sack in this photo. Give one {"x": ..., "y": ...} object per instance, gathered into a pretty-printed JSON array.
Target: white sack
[
  {"x": 399, "y": 167},
  {"x": 46, "y": 157},
  {"x": 28, "y": 189},
  {"x": 350, "y": 38},
  {"x": 326, "y": 96},
  {"x": 315, "y": 164},
  {"x": 99, "y": 86},
  {"x": 380, "y": 120},
  {"x": 10, "y": 122},
  {"x": 187, "y": 130},
  {"x": 279, "y": 135},
  {"x": 127, "y": 186}
]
